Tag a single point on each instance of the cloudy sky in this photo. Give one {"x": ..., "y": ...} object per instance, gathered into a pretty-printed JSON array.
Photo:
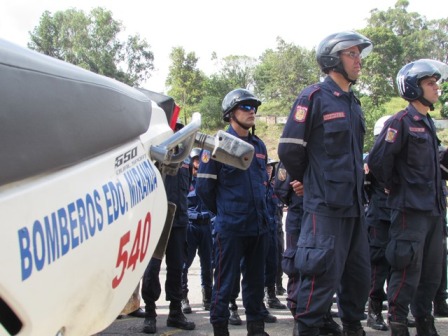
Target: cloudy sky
[{"x": 229, "y": 27}]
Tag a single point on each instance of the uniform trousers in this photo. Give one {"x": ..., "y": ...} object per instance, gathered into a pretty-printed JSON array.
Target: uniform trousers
[
  {"x": 199, "y": 238},
  {"x": 332, "y": 256},
  {"x": 234, "y": 254},
  {"x": 378, "y": 231},
  {"x": 415, "y": 253},
  {"x": 174, "y": 258}
]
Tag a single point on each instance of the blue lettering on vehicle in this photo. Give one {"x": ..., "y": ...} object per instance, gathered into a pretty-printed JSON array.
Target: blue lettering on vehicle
[
  {"x": 56, "y": 234},
  {"x": 141, "y": 180}
]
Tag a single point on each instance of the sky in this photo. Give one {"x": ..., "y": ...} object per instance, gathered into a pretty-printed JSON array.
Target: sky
[{"x": 228, "y": 27}]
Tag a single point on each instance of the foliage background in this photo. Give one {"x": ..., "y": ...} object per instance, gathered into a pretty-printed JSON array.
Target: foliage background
[{"x": 95, "y": 41}]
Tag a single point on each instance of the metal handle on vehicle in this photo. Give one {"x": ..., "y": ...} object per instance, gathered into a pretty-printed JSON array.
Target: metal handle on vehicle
[
  {"x": 224, "y": 147},
  {"x": 227, "y": 148}
]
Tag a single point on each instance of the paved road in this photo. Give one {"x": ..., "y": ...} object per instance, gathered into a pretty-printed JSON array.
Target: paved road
[{"x": 133, "y": 326}]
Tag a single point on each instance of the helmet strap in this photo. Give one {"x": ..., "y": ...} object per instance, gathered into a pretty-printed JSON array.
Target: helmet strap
[
  {"x": 340, "y": 68},
  {"x": 238, "y": 122},
  {"x": 425, "y": 102}
]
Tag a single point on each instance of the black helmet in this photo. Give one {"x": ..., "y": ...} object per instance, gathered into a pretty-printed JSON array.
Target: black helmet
[
  {"x": 195, "y": 152},
  {"x": 327, "y": 53},
  {"x": 235, "y": 97},
  {"x": 409, "y": 77}
]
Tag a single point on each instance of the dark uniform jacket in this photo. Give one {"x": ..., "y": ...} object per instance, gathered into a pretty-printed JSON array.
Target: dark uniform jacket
[
  {"x": 405, "y": 160},
  {"x": 236, "y": 196},
  {"x": 197, "y": 212},
  {"x": 322, "y": 146},
  {"x": 177, "y": 187}
]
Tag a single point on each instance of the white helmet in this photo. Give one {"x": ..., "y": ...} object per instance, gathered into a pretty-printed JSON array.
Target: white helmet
[{"x": 379, "y": 125}]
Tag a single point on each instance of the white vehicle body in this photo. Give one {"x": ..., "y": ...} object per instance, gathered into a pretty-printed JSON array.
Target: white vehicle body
[{"x": 82, "y": 205}]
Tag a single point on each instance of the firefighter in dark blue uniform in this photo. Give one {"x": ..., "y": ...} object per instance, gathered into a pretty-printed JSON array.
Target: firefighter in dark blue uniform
[
  {"x": 176, "y": 187},
  {"x": 405, "y": 161},
  {"x": 275, "y": 210},
  {"x": 238, "y": 198},
  {"x": 377, "y": 223},
  {"x": 199, "y": 238},
  {"x": 322, "y": 148}
]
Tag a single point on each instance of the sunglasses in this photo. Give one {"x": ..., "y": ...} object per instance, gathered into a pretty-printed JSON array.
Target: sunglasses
[{"x": 247, "y": 108}]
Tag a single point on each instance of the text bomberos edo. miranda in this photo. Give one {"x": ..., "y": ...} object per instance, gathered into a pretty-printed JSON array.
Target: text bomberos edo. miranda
[{"x": 66, "y": 228}]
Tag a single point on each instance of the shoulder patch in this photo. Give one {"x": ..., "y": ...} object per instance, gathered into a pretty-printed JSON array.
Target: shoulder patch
[
  {"x": 282, "y": 174},
  {"x": 205, "y": 156},
  {"x": 391, "y": 135},
  {"x": 300, "y": 113}
]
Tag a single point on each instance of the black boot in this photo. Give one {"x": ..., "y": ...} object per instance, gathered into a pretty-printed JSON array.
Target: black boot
[
  {"x": 330, "y": 327},
  {"x": 234, "y": 318},
  {"x": 221, "y": 329},
  {"x": 271, "y": 299},
  {"x": 440, "y": 308},
  {"x": 268, "y": 317},
  {"x": 256, "y": 328},
  {"x": 149, "y": 325},
  {"x": 352, "y": 328},
  {"x": 398, "y": 329},
  {"x": 279, "y": 289},
  {"x": 206, "y": 298},
  {"x": 375, "y": 317},
  {"x": 177, "y": 319},
  {"x": 425, "y": 326}
]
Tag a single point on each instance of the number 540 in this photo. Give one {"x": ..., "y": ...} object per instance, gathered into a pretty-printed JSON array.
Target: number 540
[{"x": 138, "y": 251}]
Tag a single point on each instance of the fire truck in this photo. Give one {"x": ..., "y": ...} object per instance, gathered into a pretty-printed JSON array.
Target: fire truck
[{"x": 82, "y": 201}]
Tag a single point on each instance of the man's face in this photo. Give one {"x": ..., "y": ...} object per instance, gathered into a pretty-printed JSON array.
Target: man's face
[
  {"x": 351, "y": 61},
  {"x": 245, "y": 114},
  {"x": 430, "y": 89}
]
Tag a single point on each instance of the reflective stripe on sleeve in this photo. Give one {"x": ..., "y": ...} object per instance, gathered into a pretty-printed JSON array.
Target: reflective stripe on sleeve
[
  {"x": 209, "y": 176},
  {"x": 293, "y": 141}
]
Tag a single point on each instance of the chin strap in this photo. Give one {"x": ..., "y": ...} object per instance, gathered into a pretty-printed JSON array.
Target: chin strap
[
  {"x": 425, "y": 102},
  {"x": 240, "y": 124},
  {"x": 339, "y": 68}
]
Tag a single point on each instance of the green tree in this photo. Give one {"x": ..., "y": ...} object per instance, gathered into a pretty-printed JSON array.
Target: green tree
[
  {"x": 185, "y": 81},
  {"x": 282, "y": 74},
  {"x": 91, "y": 41},
  {"x": 444, "y": 99},
  {"x": 233, "y": 72},
  {"x": 410, "y": 27}
]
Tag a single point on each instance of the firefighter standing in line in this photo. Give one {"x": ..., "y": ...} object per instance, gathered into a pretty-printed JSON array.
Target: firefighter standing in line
[
  {"x": 199, "y": 238},
  {"x": 405, "y": 161},
  {"x": 377, "y": 224},
  {"x": 238, "y": 198},
  {"x": 322, "y": 148},
  {"x": 176, "y": 187}
]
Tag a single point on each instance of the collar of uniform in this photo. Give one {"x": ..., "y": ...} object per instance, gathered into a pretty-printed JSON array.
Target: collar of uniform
[
  {"x": 414, "y": 114},
  {"x": 334, "y": 88},
  {"x": 233, "y": 132}
]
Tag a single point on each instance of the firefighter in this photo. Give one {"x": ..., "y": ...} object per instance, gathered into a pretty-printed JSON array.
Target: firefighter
[
  {"x": 238, "y": 198},
  {"x": 322, "y": 148},
  {"x": 405, "y": 161}
]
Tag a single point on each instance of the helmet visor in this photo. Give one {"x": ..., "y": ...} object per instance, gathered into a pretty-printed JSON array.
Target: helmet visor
[
  {"x": 429, "y": 68},
  {"x": 365, "y": 46}
]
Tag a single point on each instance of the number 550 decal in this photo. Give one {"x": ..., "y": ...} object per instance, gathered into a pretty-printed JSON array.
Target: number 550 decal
[{"x": 138, "y": 251}]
